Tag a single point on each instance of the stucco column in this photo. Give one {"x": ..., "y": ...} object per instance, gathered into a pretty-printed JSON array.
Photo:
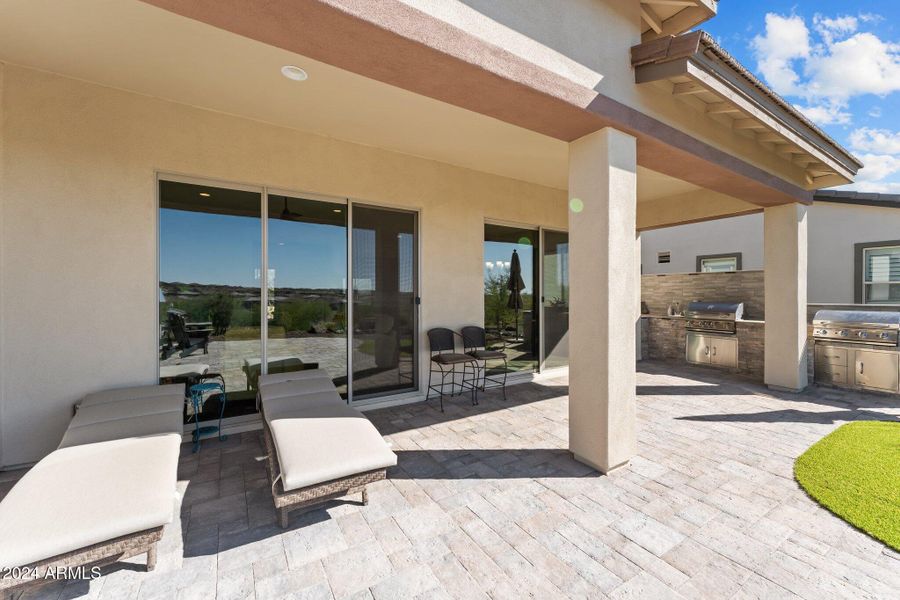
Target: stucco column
[
  {"x": 638, "y": 354},
  {"x": 602, "y": 221},
  {"x": 785, "y": 281}
]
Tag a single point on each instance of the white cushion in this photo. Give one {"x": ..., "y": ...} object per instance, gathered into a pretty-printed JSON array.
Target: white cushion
[
  {"x": 129, "y": 393},
  {"x": 286, "y": 406},
  {"x": 132, "y": 427},
  {"x": 89, "y": 494},
  {"x": 294, "y": 388},
  {"x": 135, "y": 407},
  {"x": 304, "y": 375},
  {"x": 326, "y": 442}
]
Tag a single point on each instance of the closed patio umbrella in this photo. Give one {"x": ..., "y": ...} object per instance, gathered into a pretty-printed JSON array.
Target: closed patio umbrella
[{"x": 515, "y": 286}]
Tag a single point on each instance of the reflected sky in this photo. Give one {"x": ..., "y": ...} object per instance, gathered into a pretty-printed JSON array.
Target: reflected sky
[{"x": 497, "y": 256}]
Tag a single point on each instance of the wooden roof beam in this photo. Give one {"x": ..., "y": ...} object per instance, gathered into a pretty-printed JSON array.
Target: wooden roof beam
[
  {"x": 747, "y": 124},
  {"x": 651, "y": 18},
  {"x": 719, "y": 108},
  {"x": 688, "y": 87}
]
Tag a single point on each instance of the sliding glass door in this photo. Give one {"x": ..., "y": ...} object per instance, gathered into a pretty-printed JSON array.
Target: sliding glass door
[
  {"x": 384, "y": 301},
  {"x": 555, "y": 296},
  {"x": 210, "y": 241},
  {"x": 307, "y": 286},
  {"x": 240, "y": 296},
  {"x": 510, "y": 282}
]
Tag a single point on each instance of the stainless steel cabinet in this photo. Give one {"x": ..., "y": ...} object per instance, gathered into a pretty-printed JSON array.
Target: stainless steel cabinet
[
  {"x": 877, "y": 370},
  {"x": 704, "y": 349}
]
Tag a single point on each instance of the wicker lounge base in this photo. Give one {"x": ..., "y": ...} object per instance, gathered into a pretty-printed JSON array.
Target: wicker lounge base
[
  {"x": 78, "y": 563},
  {"x": 313, "y": 495}
]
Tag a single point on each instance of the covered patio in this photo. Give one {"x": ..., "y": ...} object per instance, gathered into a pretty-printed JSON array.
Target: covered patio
[
  {"x": 256, "y": 188},
  {"x": 486, "y": 502}
]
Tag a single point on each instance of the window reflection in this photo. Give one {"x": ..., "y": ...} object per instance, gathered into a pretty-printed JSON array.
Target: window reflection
[
  {"x": 511, "y": 323},
  {"x": 209, "y": 291},
  {"x": 307, "y": 287},
  {"x": 384, "y": 296}
]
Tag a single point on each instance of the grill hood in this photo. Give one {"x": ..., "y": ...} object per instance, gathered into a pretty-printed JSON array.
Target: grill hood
[
  {"x": 858, "y": 318},
  {"x": 730, "y": 311}
]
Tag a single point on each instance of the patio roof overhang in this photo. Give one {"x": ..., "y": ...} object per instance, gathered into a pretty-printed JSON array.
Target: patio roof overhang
[
  {"x": 671, "y": 17},
  {"x": 708, "y": 79},
  {"x": 409, "y": 49}
]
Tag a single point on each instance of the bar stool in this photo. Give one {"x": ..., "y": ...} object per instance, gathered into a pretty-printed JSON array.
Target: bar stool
[
  {"x": 444, "y": 360},
  {"x": 198, "y": 394},
  {"x": 475, "y": 344}
]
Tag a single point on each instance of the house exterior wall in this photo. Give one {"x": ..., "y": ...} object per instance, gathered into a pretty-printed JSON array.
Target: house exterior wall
[
  {"x": 686, "y": 242},
  {"x": 834, "y": 229},
  {"x": 78, "y": 247},
  {"x": 589, "y": 42}
]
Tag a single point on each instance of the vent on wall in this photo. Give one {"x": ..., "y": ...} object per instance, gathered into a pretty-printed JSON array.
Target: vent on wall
[{"x": 663, "y": 257}]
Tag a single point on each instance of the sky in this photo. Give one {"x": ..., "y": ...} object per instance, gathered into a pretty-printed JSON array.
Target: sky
[{"x": 838, "y": 62}]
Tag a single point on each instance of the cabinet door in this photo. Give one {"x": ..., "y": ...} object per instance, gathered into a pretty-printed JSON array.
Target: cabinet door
[
  {"x": 725, "y": 352},
  {"x": 697, "y": 348},
  {"x": 877, "y": 370}
]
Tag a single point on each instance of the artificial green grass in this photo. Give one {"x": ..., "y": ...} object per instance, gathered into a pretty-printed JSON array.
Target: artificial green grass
[{"x": 855, "y": 473}]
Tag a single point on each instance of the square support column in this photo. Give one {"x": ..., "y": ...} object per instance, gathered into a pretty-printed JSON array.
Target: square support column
[
  {"x": 785, "y": 282},
  {"x": 604, "y": 294}
]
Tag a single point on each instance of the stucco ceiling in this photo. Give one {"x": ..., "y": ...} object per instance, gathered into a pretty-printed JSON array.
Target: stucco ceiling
[{"x": 134, "y": 46}]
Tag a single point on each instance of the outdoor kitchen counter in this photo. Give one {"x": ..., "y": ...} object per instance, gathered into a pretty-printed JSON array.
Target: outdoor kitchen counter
[{"x": 663, "y": 338}]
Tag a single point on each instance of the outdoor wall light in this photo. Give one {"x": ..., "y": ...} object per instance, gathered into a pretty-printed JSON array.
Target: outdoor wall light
[{"x": 295, "y": 73}]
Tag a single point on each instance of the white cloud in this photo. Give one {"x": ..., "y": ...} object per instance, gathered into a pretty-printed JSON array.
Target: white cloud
[
  {"x": 826, "y": 114},
  {"x": 826, "y": 75},
  {"x": 786, "y": 40},
  {"x": 860, "y": 64},
  {"x": 837, "y": 27},
  {"x": 878, "y": 141},
  {"x": 878, "y": 167},
  {"x": 875, "y": 112}
]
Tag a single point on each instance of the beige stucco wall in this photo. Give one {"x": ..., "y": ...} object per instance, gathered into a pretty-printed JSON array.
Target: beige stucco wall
[
  {"x": 589, "y": 42},
  {"x": 686, "y": 242},
  {"x": 834, "y": 229},
  {"x": 78, "y": 246}
]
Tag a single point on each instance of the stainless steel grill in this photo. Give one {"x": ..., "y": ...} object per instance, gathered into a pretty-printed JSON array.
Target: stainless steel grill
[
  {"x": 857, "y": 327},
  {"x": 713, "y": 317},
  {"x": 711, "y": 338},
  {"x": 858, "y": 348}
]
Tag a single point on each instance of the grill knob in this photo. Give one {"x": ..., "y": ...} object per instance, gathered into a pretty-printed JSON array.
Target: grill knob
[
  {"x": 884, "y": 335},
  {"x": 843, "y": 333},
  {"x": 863, "y": 334}
]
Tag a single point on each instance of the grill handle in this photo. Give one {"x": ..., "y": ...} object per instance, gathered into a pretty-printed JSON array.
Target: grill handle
[
  {"x": 861, "y": 368},
  {"x": 707, "y": 351}
]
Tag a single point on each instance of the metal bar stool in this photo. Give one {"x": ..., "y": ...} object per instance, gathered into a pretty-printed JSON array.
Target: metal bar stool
[
  {"x": 196, "y": 395},
  {"x": 475, "y": 344},
  {"x": 444, "y": 361}
]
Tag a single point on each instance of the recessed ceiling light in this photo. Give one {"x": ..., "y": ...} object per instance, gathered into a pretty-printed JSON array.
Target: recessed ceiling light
[
  {"x": 337, "y": 210},
  {"x": 204, "y": 194},
  {"x": 295, "y": 73}
]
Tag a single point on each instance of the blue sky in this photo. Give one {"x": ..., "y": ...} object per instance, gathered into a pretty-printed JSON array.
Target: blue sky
[{"x": 839, "y": 62}]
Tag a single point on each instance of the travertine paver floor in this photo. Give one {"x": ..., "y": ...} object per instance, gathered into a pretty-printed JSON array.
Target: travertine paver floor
[{"x": 487, "y": 503}]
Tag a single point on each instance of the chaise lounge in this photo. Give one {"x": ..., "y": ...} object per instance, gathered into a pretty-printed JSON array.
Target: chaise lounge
[
  {"x": 104, "y": 495},
  {"x": 318, "y": 447}
]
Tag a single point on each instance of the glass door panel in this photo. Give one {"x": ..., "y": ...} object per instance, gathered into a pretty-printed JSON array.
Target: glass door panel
[
  {"x": 210, "y": 243},
  {"x": 556, "y": 298},
  {"x": 385, "y": 284},
  {"x": 510, "y": 315},
  {"x": 307, "y": 287}
]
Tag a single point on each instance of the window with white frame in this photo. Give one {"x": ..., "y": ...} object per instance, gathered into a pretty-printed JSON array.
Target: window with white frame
[
  {"x": 719, "y": 263},
  {"x": 881, "y": 275}
]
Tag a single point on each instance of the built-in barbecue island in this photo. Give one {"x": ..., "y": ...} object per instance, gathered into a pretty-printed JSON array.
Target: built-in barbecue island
[
  {"x": 711, "y": 319},
  {"x": 718, "y": 320}
]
